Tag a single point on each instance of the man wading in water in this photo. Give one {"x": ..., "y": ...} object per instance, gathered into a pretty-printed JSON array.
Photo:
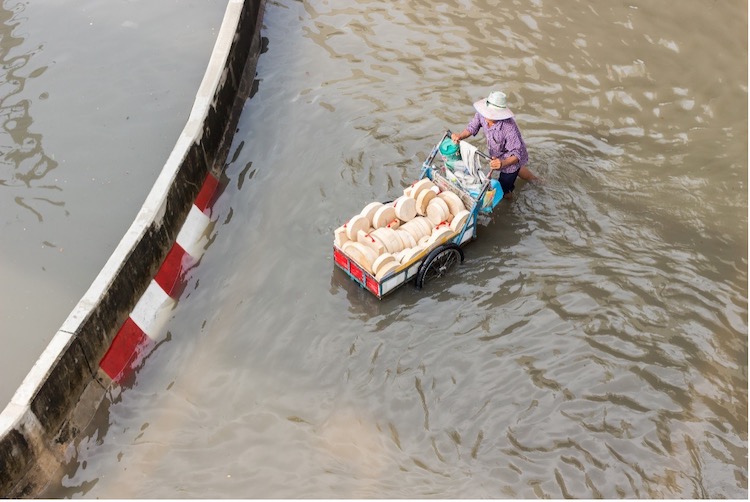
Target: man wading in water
[{"x": 505, "y": 144}]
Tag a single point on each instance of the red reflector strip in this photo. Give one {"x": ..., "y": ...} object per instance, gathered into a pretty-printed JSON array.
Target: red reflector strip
[
  {"x": 372, "y": 285},
  {"x": 204, "y": 197},
  {"x": 123, "y": 350},
  {"x": 340, "y": 259},
  {"x": 170, "y": 272},
  {"x": 356, "y": 271}
]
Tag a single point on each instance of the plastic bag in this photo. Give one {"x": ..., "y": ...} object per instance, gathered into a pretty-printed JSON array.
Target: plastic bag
[{"x": 492, "y": 197}]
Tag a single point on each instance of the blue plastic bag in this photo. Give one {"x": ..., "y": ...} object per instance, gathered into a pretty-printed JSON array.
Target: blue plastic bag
[{"x": 492, "y": 197}]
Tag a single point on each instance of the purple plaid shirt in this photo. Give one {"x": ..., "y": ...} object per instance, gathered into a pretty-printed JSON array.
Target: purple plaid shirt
[{"x": 503, "y": 140}]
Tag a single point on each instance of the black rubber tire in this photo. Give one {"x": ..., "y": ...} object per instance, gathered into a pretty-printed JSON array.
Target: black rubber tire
[{"x": 438, "y": 262}]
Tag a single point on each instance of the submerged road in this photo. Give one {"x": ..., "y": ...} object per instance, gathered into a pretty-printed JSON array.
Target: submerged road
[{"x": 593, "y": 344}]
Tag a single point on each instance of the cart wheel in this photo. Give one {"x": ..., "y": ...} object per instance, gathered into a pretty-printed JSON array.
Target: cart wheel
[{"x": 438, "y": 262}]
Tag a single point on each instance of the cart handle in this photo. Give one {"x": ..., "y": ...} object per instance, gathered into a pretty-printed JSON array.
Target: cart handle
[{"x": 427, "y": 163}]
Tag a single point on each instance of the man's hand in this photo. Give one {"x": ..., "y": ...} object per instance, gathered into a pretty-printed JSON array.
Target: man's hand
[{"x": 495, "y": 163}]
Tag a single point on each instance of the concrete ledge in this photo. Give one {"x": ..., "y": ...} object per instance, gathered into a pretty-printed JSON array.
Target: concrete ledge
[{"x": 65, "y": 387}]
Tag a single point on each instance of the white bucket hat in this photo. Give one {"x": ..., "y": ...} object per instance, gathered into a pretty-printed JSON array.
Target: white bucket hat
[{"x": 494, "y": 107}]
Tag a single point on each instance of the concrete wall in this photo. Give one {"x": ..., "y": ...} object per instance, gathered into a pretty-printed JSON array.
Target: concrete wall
[{"x": 63, "y": 390}]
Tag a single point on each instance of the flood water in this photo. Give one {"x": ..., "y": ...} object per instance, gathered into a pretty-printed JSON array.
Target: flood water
[
  {"x": 594, "y": 342},
  {"x": 93, "y": 96}
]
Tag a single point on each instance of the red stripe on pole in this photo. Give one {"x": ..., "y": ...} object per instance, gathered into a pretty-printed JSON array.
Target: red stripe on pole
[
  {"x": 170, "y": 272},
  {"x": 123, "y": 349},
  {"x": 206, "y": 193}
]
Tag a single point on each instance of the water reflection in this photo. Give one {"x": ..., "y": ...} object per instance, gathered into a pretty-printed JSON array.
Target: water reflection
[
  {"x": 24, "y": 165},
  {"x": 594, "y": 342}
]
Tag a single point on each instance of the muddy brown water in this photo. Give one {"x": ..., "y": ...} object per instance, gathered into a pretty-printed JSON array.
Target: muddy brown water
[
  {"x": 93, "y": 96},
  {"x": 594, "y": 342}
]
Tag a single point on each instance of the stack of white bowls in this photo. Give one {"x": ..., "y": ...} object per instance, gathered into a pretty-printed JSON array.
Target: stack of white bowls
[{"x": 383, "y": 237}]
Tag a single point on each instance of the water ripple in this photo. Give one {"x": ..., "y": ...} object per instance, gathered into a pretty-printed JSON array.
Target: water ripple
[{"x": 594, "y": 342}]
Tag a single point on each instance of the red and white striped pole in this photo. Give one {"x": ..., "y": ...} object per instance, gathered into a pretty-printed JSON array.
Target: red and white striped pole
[{"x": 143, "y": 328}]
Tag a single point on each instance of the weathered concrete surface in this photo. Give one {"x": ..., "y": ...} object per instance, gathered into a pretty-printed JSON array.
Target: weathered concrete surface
[{"x": 61, "y": 393}]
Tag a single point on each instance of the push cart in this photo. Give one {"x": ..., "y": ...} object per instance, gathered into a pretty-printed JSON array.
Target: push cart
[{"x": 435, "y": 261}]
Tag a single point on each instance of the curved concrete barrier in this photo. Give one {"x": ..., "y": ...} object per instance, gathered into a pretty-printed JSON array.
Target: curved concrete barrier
[{"x": 96, "y": 343}]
